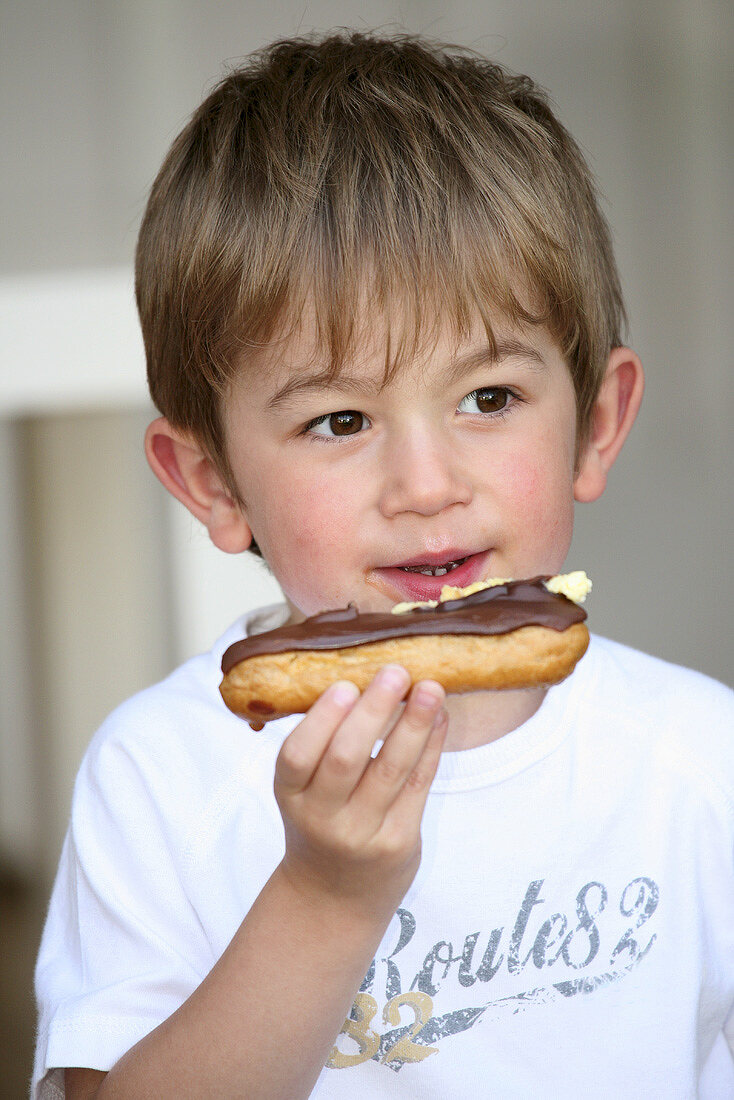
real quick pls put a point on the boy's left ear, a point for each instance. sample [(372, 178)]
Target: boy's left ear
[(613, 415)]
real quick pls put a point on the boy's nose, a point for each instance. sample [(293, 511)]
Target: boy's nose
[(420, 474)]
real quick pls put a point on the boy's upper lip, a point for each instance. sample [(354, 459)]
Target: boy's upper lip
[(432, 559)]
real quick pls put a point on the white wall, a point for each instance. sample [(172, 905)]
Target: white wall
[(93, 94)]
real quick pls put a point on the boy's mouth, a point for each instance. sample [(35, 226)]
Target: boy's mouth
[(416, 580), (433, 571)]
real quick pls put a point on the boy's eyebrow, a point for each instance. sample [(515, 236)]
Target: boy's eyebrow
[(464, 364)]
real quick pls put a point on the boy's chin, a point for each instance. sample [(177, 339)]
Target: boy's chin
[(364, 602)]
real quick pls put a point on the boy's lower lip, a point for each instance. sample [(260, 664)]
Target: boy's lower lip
[(417, 587)]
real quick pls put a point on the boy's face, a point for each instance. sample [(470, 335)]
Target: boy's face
[(458, 457)]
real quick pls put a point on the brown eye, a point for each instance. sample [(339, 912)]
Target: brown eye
[(346, 423), (489, 401)]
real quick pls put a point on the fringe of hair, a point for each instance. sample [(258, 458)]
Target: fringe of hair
[(352, 174)]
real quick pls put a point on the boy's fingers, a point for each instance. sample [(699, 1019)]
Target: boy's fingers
[(303, 749), (348, 754), (408, 806), (403, 748)]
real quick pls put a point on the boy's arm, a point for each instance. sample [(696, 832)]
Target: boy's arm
[(265, 1019)]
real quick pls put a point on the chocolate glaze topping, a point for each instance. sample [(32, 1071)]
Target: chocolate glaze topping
[(495, 610)]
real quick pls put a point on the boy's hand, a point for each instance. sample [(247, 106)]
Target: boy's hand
[(352, 827), (352, 822)]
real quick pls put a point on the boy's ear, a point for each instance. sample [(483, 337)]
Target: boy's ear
[(188, 473), (613, 415)]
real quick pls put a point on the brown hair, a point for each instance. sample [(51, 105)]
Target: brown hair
[(353, 169)]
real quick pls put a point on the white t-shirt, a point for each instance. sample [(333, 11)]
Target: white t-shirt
[(570, 931)]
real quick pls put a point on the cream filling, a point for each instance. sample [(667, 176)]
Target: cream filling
[(575, 586)]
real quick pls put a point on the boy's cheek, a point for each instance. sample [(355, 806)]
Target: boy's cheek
[(323, 514), (537, 503), (311, 536), (532, 481)]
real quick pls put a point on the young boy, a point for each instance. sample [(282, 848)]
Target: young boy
[(382, 322)]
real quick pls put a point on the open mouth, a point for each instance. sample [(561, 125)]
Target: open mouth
[(433, 571), (423, 580)]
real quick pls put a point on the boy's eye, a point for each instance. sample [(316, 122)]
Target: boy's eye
[(490, 399), (337, 424)]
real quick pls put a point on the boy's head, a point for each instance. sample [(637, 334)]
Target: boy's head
[(359, 175)]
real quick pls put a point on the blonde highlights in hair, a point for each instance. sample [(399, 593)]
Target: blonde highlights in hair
[(355, 172)]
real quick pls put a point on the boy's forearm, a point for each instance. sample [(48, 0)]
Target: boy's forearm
[(263, 1022)]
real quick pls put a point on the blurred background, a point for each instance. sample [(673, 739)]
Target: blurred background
[(106, 583)]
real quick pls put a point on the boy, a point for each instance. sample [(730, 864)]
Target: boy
[(382, 321)]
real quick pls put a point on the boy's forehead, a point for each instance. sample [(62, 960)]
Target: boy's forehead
[(382, 346)]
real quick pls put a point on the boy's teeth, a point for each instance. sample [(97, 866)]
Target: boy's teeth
[(437, 571)]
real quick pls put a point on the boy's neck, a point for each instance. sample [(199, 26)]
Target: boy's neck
[(484, 716)]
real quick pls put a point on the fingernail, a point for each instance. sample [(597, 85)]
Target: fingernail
[(441, 720), (427, 697), (344, 692), (392, 676)]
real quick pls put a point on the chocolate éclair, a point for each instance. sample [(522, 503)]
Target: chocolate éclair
[(498, 635)]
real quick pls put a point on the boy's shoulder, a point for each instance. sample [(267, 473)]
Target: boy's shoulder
[(652, 684), (681, 716), (183, 700), (173, 706), (176, 741)]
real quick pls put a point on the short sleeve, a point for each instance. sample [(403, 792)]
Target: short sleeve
[(729, 1032), (122, 947)]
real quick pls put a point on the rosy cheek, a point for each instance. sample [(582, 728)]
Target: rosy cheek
[(299, 523), (323, 511), (315, 522), (522, 482), (538, 503)]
